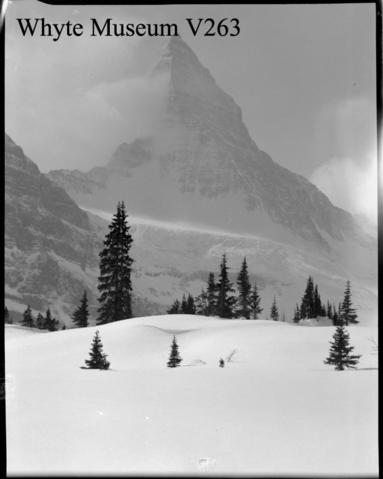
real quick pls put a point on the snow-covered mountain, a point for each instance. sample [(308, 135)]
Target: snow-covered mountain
[(197, 187), (200, 165), (201, 169)]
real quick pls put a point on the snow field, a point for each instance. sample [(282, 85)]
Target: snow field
[(276, 409)]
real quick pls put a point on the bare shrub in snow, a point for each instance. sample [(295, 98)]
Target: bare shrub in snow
[(230, 357)]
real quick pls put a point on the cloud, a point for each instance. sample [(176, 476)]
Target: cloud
[(348, 128), (349, 176), (83, 128), (350, 184), (70, 104)]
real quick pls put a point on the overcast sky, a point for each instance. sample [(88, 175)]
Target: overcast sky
[(304, 76)]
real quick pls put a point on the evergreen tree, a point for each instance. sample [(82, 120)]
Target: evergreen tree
[(201, 303), (97, 358), (190, 306), (174, 358), (50, 323), (28, 318), (317, 310), (303, 310), (255, 300), (297, 314), (347, 312), (335, 316), (175, 308), (225, 300), (7, 317), (184, 305), (329, 310), (211, 296), (40, 321), (114, 282), (244, 289), (81, 315), (340, 351), (274, 313), (307, 305)]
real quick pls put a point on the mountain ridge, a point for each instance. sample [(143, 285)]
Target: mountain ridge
[(201, 151)]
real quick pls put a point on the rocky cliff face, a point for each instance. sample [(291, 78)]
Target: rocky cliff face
[(51, 245), (200, 165), (48, 238)]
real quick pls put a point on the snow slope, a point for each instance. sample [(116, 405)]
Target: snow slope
[(275, 409)]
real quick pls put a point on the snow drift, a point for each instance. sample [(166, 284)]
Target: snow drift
[(275, 408)]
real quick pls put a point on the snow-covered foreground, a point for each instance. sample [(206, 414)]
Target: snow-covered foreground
[(276, 408)]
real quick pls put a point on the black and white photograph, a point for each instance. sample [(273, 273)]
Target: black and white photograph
[(191, 239)]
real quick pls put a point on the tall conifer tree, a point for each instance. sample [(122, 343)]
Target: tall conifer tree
[(225, 299), (336, 321), (211, 295), (7, 317), (81, 315), (347, 312), (190, 306), (201, 304), (244, 289), (184, 305), (40, 321), (114, 282), (50, 323), (307, 305), (317, 303), (28, 318), (174, 308), (255, 301)]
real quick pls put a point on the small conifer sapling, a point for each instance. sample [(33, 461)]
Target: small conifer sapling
[(274, 313), (97, 358), (174, 358), (340, 351)]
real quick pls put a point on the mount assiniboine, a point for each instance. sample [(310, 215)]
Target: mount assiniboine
[(196, 187)]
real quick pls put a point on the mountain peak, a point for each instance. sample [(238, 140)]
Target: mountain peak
[(207, 168), (192, 88), (176, 55), (177, 47)]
